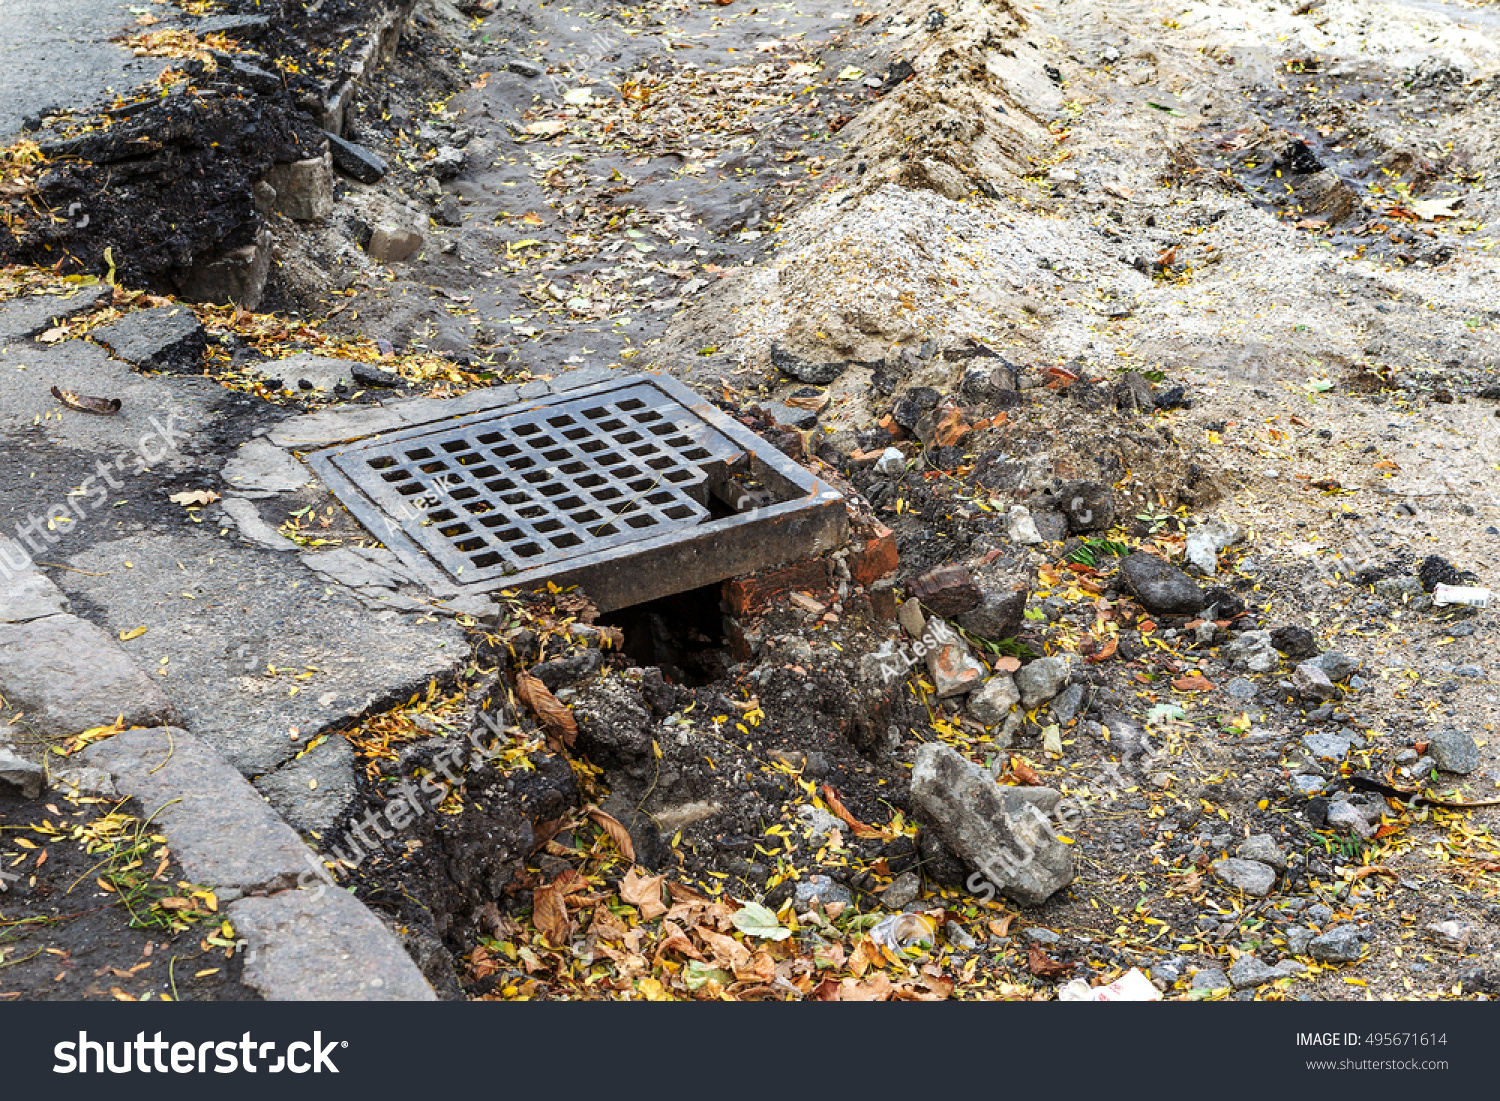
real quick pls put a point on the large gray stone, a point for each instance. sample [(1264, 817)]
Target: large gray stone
[(1252, 651), (1311, 683), (66, 676), (1338, 665), (1000, 613), (1250, 876), (1341, 944), (1454, 751), (1247, 972), (321, 945), (304, 189), (20, 774), (1206, 541), (1038, 681), (954, 670), (1160, 586), (313, 791), (355, 161), (1326, 747), (164, 338), (221, 832), (992, 703), (305, 371), (1262, 848), (1088, 506), (992, 829)]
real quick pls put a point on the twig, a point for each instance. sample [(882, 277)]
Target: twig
[(75, 569)]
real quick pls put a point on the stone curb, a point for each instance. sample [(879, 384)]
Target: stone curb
[(317, 943)]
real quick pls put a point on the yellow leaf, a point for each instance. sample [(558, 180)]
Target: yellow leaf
[(126, 636)]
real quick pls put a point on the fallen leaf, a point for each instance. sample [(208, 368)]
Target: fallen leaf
[(554, 715), (550, 913), (1192, 682), (861, 830), (1044, 966), (547, 128), (194, 497), (644, 893), (755, 920), (103, 407), (126, 636), (618, 833)]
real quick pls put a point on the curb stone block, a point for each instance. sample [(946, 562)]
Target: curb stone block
[(323, 945)]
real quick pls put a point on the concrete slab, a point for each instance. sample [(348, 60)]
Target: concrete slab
[(223, 615), (322, 945)]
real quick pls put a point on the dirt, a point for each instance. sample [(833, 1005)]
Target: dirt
[(1251, 212), (98, 909)]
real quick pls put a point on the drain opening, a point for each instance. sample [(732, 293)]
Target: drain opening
[(682, 635)]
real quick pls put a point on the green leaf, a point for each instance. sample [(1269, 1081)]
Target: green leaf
[(754, 920), (1165, 712), (697, 975)]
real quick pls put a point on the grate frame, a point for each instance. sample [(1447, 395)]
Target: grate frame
[(607, 486)]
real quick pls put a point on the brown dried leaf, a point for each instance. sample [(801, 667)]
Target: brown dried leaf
[(861, 830), (618, 833), (1044, 966), (550, 913), (103, 407), (555, 716), (644, 893)]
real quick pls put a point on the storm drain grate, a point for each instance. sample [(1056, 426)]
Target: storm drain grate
[(570, 487)]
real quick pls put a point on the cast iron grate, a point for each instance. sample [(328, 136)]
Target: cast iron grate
[(577, 480)]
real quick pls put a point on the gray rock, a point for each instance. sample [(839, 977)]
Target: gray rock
[(1160, 586), (68, 676), (1249, 876), (891, 464), (1451, 934), (1037, 934), (222, 832), (1326, 747), (1291, 968), (1339, 666), (84, 781), (1000, 613), (910, 616), (313, 791), (305, 371), (447, 162), (1341, 944), (323, 945), (1020, 527), (902, 892), (1298, 937), (814, 374), (1422, 766), (1398, 588), (1344, 815), (1210, 978), (1040, 680), (1050, 524), (355, 161), (1088, 506), (1065, 704), (1262, 848), (992, 703), (818, 821), (260, 467), (165, 338), (819, 890), (1319, 914), (390, 244), (529, 69), (1241, 689), (1248, 972), (304, 189), (1311, 683), (990, 828), (954, 670), (1308, 786), (1206, 541), (958, 936), (1252, 650), (20, 774), (1454, 751)]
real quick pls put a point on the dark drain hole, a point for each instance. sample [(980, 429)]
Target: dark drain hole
[(682, 634)]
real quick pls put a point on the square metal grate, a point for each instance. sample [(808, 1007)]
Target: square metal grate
[(571, 487)]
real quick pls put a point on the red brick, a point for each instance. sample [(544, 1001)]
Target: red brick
[(755, 592), (876, 559)]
